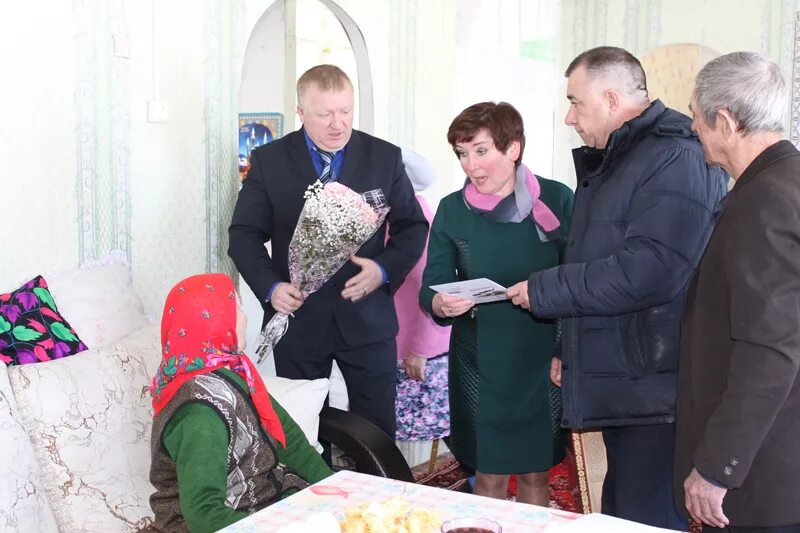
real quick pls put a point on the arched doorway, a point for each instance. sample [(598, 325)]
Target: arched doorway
[(292, 36)]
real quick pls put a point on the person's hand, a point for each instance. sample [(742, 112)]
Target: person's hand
[(704, 500), (555, 371), (414, 366), (518, 294), (449, 306), (363, 283), (286, 298)]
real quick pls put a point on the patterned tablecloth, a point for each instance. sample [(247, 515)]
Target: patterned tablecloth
[(347, 489)]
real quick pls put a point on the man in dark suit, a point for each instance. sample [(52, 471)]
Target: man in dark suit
[(351, 319), (738, 419)]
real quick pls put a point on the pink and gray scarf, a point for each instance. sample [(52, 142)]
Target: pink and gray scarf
[(517, 206)]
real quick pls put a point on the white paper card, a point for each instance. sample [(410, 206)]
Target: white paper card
[(479, 290)]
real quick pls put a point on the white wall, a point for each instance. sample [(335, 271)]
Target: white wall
[(97, 175), (493, 67), (37, 143), (168, 160)]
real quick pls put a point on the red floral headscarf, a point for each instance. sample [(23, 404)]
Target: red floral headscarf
[(198, 336)]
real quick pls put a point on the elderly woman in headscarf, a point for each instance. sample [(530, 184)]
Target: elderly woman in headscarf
[(422, 408), (503, 224), (222, 447)]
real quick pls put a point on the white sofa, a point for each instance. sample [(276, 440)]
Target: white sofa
[(82, 441), (75, 432)]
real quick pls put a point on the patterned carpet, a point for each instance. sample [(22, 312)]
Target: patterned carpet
[(563, 481)]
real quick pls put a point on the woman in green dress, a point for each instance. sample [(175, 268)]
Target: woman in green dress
[(504, 224)]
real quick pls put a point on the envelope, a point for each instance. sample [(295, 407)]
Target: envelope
[(481, 290)]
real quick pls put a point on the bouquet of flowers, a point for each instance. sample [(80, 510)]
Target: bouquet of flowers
[(334, 223)]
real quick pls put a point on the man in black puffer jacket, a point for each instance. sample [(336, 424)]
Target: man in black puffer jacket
[(644, 210)]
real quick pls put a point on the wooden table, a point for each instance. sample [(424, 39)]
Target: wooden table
[(347, 489)]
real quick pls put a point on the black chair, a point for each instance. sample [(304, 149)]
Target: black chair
[(372, 450)]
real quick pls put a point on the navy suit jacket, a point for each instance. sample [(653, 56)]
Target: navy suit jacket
[(268, 208)]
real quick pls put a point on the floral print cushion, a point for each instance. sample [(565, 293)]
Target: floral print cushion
[(31, 329)]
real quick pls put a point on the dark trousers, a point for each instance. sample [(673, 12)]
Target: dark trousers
[(754, 529), (638, 484), (369, 371)]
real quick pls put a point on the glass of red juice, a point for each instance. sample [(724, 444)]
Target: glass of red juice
[(471, 525)]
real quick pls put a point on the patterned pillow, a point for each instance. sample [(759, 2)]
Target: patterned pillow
[(31, 330)]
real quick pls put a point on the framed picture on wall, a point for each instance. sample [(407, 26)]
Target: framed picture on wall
[(256, 129)]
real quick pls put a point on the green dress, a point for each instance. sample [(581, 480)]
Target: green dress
[(501, 419)]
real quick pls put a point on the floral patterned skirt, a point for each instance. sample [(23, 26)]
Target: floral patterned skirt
[(423, 409)]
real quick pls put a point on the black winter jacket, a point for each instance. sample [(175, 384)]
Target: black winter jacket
[(643, 214)]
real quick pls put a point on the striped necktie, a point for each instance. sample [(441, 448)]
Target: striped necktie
[(327, 173)]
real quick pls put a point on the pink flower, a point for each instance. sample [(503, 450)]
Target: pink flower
[(337, 189), (40, 353), (369, 216), (36, 325)]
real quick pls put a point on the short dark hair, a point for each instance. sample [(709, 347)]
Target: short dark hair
[(502, 121), (599, 60)]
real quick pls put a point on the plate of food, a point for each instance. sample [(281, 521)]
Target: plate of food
[(394, 515)]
